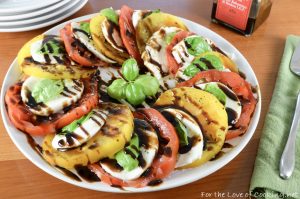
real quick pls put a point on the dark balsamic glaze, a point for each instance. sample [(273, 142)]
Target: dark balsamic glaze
[(147, 172), (243, 75), (83, 32), (207, 63), (155, 182), (227, 145), (218, 155), (129, 152), (35, 146), (117, 186), (232, 115), (139, 127), (141, 160), (32, 102), (215, 48), (85, 173), (112, 29), (254, 89), (112, 164), (68, 173), (191, 143), (228, 92)]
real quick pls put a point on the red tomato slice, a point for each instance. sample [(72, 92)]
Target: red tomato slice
[(78, 51), (239, 86), (26, 121), (163, 164), (172, 63), (128, 33)]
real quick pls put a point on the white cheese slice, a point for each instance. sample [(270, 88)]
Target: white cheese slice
[(112, 35), (194, 132), (137, 15), (82, 133), (154, 56)]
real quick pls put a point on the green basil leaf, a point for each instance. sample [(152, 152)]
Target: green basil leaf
[(117, 89), (72, 126), (125, 160), (214, 60), (197, 45), (85, 26), (191, 70), (216, 91), (169, 37), (149, 84), (47, 89), (134, 94), (130, 69), (151, 12), (111, 15), (182, 133), (55, 48)]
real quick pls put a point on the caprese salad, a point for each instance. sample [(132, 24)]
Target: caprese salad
[(130, 95)]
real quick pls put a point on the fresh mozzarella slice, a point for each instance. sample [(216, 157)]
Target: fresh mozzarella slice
[(72, 92), (233, 105), (108, 74), (181, 54), (136, 17), (88, 42), (154, 56), (38, 56), (111, 33), (82, 133), (186, 157), (147, 152)]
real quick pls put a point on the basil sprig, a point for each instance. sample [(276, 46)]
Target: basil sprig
[(134, 87), (130, 69), (110, 14), (182, 133), (197, 45), (129, 161), (205, 61)]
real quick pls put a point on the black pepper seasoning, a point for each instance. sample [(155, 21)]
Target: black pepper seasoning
[(243, 16)]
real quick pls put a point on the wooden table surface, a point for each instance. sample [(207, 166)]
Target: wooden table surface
[(22, 179)]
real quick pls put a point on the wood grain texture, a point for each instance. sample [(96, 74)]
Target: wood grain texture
[(21, 179)]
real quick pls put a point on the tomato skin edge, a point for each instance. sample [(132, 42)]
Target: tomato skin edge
[(128, 34)]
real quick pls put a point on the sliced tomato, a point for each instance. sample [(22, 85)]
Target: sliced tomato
[(163, 164), (128, 33), (77, 51), (26, 121), (241, 87), (172, 63)]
